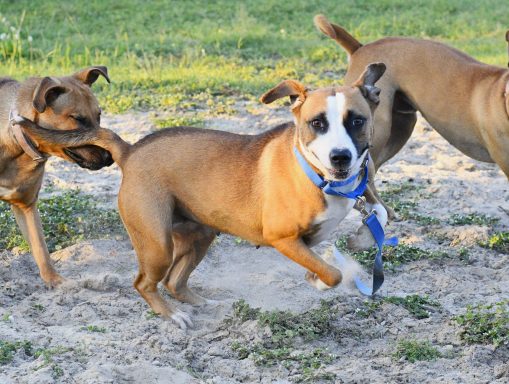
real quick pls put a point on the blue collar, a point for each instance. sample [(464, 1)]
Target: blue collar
[(331, 187)]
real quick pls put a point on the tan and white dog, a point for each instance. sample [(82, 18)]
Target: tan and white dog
[(466, 101), (182, 185)]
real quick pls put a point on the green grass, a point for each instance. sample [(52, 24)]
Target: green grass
[(177, 121), (419, 307), (94, 329), (66, 219), (393, 256), (414, 350), (288, 329), (485, 324), (472, 219), (498, 241), (156, 50), (8, 349)]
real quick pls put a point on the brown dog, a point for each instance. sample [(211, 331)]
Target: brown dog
[(466, 101), (181, 185), (59, 104)]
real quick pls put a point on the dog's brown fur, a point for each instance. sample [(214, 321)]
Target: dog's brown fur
[(52, 103), (182, 185), (466, 101)]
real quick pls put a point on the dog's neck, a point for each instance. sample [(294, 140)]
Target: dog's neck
[(28, 146)]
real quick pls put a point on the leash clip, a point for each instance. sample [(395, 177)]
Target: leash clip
[(360, 205)]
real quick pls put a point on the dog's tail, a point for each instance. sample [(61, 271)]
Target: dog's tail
[(342, 37), (102, 137)]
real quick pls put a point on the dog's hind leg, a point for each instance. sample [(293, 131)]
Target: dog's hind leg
[(154, 247), (191, 241)]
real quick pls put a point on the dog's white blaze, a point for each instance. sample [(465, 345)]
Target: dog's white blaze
[(336, 136)]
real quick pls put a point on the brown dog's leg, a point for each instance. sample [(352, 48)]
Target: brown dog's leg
[(29, 222), (296, 250), (191, 241)]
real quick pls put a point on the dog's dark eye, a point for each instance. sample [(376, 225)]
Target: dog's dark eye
[(319, 125), (79, 119), (357, 123)]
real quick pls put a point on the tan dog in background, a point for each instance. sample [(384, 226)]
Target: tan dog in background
[(182, 185), (466, 101), (59, 104)]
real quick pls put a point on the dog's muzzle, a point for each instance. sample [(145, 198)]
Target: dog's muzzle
[(89, 157)]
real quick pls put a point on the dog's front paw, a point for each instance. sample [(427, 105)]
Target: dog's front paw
[(361, 240), (52, 280), (182, 319), (313, 279)]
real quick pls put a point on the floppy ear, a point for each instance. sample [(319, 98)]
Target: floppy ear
[(292, 88), (366, 82), (46, 92), (89, 75)]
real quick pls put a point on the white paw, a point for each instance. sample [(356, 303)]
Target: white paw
[(316, 282), (182, 319)]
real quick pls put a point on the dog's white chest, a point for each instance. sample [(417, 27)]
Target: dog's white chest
[(328, 221)]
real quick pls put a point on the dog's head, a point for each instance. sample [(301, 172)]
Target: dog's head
[(333, 125), (63, 104)]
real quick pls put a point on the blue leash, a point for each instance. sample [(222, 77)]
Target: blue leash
[(370, 219)]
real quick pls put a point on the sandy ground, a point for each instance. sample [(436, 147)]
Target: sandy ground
[(138, 348)]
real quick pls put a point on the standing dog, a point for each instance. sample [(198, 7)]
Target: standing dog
[(181, 185), (466, 101), (59, 104)]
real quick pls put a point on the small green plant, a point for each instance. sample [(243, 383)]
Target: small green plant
[(418, 306), (413, 350), (7, 350), (287, 327), (396, 256), (94, 328), (499, 242), (38, 307), (485, 324), (151, 315), (472, 219), (6, 316), (48, 355)]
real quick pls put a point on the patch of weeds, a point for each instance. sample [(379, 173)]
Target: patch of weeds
[(418, 306), (485, 324), (472, 219), (94, 328), (6, 317), (66, 219), (48, 355), (369, 307), (414, 350), (396, 256), (151, 315), (178, 121), (402, 198), (8, 349), (38, 307), (286, 328), (499, 242)]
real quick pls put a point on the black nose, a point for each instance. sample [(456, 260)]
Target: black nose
[(340, 157)]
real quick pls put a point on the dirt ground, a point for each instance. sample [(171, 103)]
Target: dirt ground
[(135, 347)]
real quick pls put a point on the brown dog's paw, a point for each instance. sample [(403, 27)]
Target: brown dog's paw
[(313, 279), (53, 280), (361, 240), (182, 319)]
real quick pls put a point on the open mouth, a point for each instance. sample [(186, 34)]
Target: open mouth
[(89, 156), (339, 174)]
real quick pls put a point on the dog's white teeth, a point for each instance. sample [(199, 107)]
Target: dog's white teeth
[(182, 319), (18, 118)]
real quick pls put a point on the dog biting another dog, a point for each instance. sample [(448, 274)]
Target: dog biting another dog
[(182, 185), (465, 101), (57, 103)]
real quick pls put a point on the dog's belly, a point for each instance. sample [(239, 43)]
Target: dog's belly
[(327, 222)]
